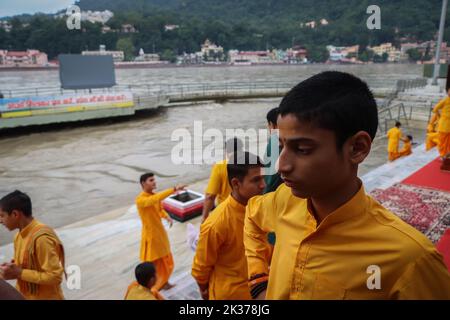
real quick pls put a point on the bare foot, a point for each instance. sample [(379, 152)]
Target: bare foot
[(168, 286)]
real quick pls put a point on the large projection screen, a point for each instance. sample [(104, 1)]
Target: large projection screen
[(86, 72)]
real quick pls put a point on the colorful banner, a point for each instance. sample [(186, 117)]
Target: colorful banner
[(30, 106)]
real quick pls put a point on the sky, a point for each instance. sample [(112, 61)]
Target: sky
[(14, 7)]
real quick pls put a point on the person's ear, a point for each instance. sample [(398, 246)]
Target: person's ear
[(15, 214), (235, 183), (359, 147)]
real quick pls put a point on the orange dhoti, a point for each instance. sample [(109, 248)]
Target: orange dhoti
[(405, 153), (431, 140), (443, 143), (164, 268)]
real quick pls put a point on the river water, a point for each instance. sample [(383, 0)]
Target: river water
[(81, 171)]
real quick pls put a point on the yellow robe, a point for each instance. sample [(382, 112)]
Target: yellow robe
[(137, 292), (154, 242), (155, 246), (406, 150), (442, 110), (164, 267), (393, 135), (220, 257), (339, 257), (218, 182), (431, 140), (40, 253)]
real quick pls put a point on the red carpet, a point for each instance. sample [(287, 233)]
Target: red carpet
[(430, 176), (426, 209), (443, 247)]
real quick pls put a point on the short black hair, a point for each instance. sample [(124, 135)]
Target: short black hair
[(240, 163), (145, 176), (233, 145), (410, 137), (144, 272), (17, 200), (272, 116), (398, 124), (335, 101)]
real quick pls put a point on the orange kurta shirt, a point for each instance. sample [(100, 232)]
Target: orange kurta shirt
[(338, 257), (393, 135), (155, 242), (442, 109), (46, 276), (220, 257)]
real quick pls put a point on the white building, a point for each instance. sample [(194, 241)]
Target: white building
[(311, 24), (343, 54), (117, 55), (106, 29), (190, 58), (5, 25), (96, 16), (211, 52), (128, 28), (170, 27), (147, 57)]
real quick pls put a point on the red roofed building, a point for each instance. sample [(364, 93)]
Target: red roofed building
[(22, 58)]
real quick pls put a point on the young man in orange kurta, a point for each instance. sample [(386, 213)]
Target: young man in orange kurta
[(155, 246), (38, 264), (220, 265), (333, 240)]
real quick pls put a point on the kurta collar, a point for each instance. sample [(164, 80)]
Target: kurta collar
[(26, 231), (355, 206), (235, 205)]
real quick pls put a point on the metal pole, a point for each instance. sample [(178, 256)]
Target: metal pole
[(438, 46)]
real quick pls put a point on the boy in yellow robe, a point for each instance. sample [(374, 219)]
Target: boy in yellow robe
[(394, 135), (141, 289), (218, 185), (155, 246), (407, 146), (220, 265), (333, 240), (442, 112), (38, 264)]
